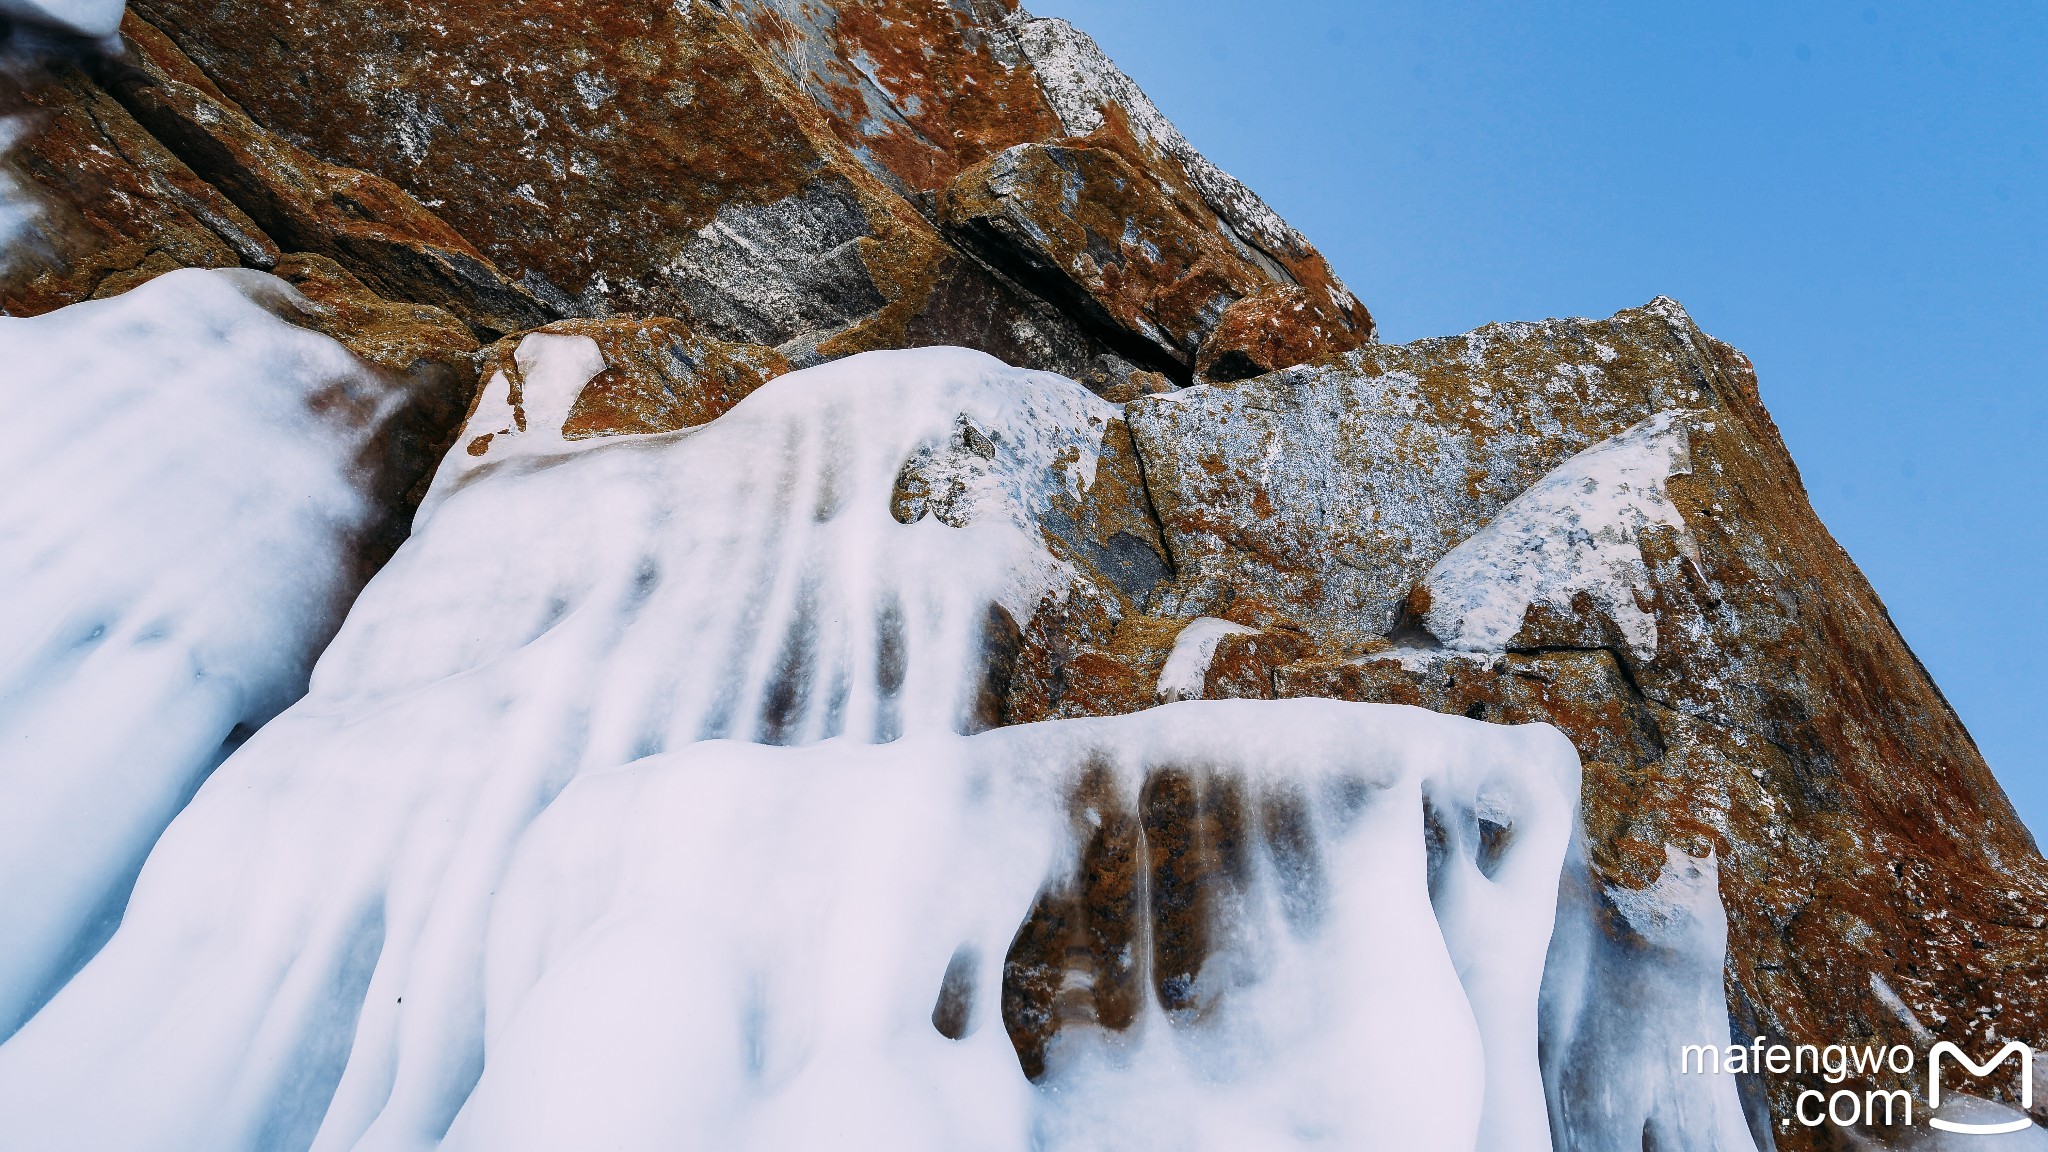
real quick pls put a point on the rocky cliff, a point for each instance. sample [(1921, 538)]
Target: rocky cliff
[(564, 223)]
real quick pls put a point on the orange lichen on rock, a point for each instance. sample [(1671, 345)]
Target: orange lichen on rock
[(1278, 328), (369, 225)]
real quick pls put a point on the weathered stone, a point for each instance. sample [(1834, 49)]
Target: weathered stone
[(1327, 490), (659, 375), (1276, 329), (383, 236), (1088, 91), (1114, 232), (115, 208), (917, 91), (1769, 713), (764, 168)]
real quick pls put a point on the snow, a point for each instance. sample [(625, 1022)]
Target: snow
[(637, 802), (1619, 1008), (94, 19), (739, 946), (839, 881), (1578, 530), (177, 525), (1187, 667)]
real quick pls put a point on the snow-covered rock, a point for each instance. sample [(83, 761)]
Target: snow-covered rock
[(489, 872), (1575, 533)]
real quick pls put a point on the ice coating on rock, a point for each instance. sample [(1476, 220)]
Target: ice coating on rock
[(837, 882), (1187, 666), (18, 208), (178, 516), (737, 946), (523, 869), (1577, 531), (1619, 1006)]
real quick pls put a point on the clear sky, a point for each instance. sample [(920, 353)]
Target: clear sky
[(1854, 193)]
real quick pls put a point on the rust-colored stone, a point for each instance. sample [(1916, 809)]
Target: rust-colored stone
[(1115, 232), (917, 89), (1278, 328), (381, 235), (1074, 960), (115, 207), (1198, 848)]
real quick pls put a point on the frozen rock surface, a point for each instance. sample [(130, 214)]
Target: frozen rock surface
[(468, 863), (611, 269), (1576, 532)]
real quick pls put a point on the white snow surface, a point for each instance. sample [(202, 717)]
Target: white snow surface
[(177, 521), (739, 947), (94, 19), (1617, 1015), (1186, 670), (1577, 530), (526, 868)]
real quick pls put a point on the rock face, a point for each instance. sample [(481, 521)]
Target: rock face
[(570, 221), (1595, 524)]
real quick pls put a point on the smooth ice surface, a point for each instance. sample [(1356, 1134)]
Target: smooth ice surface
[(739, 948), (1577, 530), (1634, 976), (177, 525)]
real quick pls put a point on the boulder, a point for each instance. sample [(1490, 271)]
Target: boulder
[(1116, 232), (1277, 328)]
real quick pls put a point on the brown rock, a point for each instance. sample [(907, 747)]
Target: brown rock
[(764, 169), (383, 236), (115, 207), (1276, 329), (613, 159), (1114, 231), (918, 91)]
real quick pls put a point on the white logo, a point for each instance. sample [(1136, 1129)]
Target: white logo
[(2026, 1085)]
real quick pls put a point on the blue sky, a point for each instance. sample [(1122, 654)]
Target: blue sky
[(1854, 193)]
